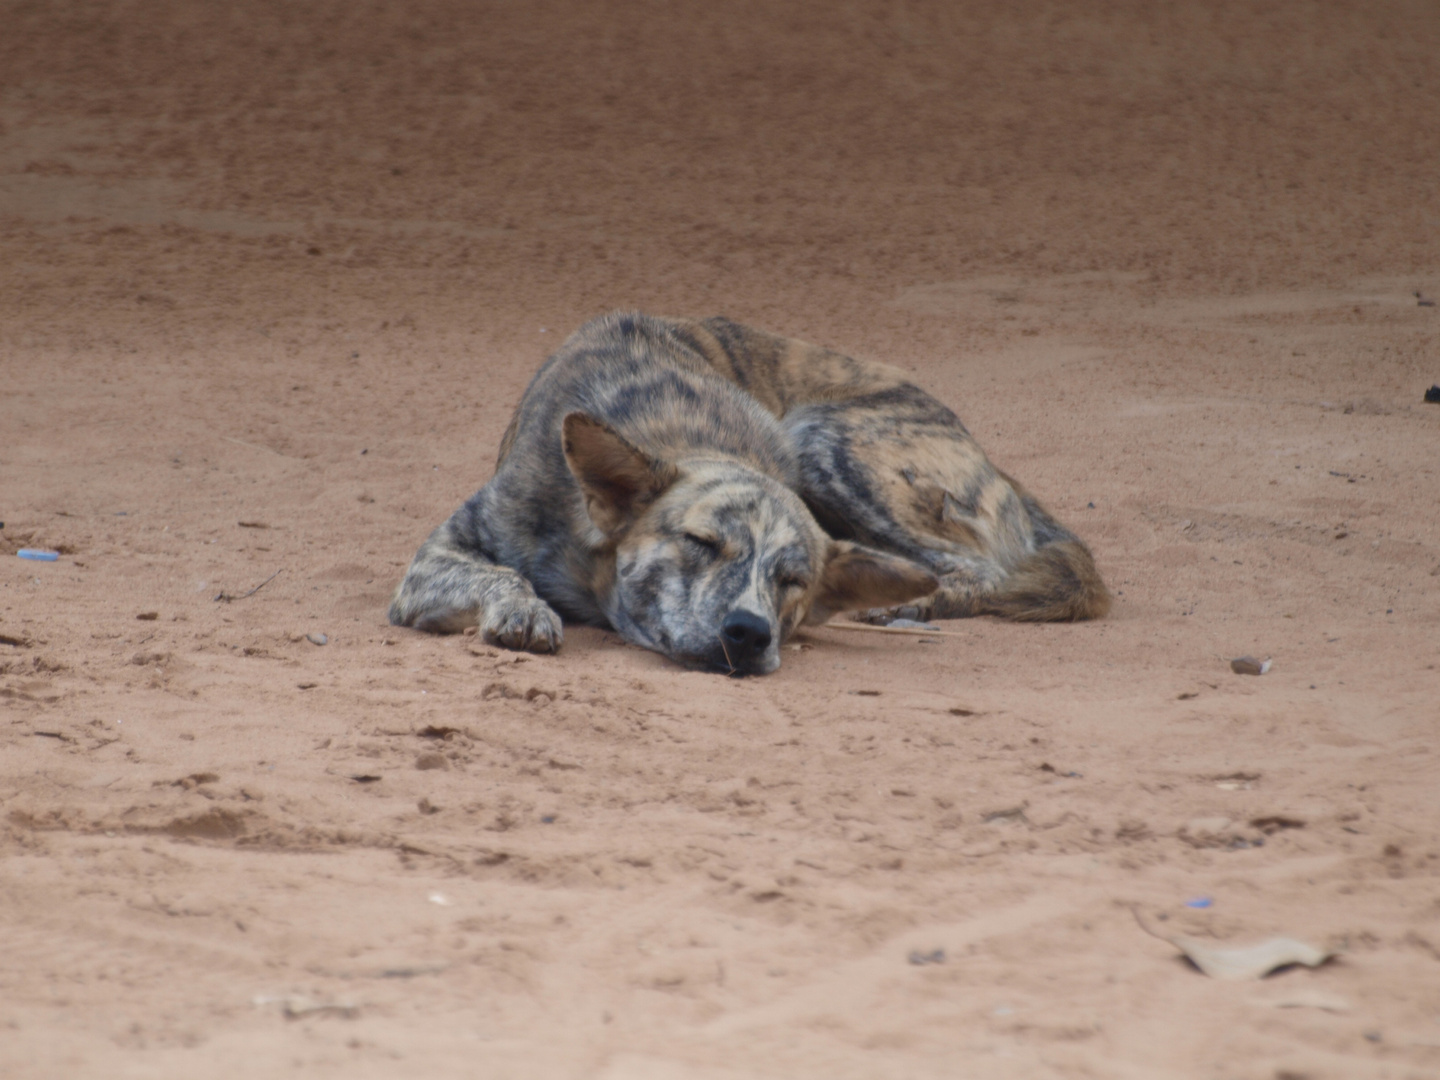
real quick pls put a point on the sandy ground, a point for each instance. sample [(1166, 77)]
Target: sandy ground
[(272, 278)]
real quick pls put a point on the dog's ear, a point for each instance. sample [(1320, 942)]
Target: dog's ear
[(617, 480), (858, 577)]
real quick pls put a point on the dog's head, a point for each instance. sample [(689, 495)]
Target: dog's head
[(716, 563)]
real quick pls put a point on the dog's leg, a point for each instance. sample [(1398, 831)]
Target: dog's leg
[(451, 585)]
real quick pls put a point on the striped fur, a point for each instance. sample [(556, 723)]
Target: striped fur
[(704, 488)]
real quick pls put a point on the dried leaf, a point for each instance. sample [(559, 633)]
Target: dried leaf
[(1248, 665), (1245, 962)]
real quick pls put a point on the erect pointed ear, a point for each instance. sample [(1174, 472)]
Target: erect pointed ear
[(859, 577), (617, 480)]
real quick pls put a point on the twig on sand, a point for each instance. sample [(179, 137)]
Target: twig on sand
[(227, 597), (254, 446), (867, 628)]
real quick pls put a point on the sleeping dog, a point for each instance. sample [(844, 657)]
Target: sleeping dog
[(704, 488)]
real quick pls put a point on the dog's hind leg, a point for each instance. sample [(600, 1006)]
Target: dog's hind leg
[(450, 586), (897, 471), (883, 463)]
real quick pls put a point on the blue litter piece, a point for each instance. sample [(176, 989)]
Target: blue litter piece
[(1199, 902), (38, 555)]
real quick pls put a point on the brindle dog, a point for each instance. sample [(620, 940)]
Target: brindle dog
[(704, 488)]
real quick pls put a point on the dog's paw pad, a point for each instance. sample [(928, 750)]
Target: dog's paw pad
[(531, 625)]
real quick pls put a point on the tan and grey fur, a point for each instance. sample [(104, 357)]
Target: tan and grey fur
[(704, 488)]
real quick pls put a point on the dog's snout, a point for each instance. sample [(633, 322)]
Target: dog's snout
[(746, 635)]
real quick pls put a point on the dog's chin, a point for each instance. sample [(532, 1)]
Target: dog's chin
[(718, 663)]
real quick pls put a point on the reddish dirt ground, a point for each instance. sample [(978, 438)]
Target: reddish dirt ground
[(272, 278)]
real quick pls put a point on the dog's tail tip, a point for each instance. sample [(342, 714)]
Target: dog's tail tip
[(1057, 583)]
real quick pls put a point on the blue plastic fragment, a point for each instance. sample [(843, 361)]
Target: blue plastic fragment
[(1199, 902), (38, 555)]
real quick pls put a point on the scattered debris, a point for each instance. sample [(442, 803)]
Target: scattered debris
[(1433, 394), (1199, 902), (307, 685), (1237, 781), (1009, 816), (36, 555), (317, 639), (960, 710), (431, 760), (1246, 962), (411, 972), (1273, 823), (431, 731), (252, 525), (1248, 665), (1188, 695), (1312, 999), (866, 693), (1045, 766), (1421, 300), (441, 899), (365, 778), (919, 957), (296, 1007), (147, 616), (53, 735), (227, 597), (1217, 832)]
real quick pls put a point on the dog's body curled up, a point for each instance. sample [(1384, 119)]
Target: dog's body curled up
[(704, 488)]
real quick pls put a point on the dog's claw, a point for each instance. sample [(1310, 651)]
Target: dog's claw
[(531, 626)]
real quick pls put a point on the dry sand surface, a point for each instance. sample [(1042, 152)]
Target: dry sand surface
[(273, 277)]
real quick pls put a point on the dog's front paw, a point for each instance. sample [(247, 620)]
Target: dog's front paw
[(884, 616), (528, 624)]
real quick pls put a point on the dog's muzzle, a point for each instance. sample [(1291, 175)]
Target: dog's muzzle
[(744, 640)]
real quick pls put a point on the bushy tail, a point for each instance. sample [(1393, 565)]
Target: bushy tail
[(1058, 583)]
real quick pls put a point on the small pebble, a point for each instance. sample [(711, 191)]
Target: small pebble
[(919, 957), (317, 639)]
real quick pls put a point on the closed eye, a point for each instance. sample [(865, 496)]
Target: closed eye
[(705, 542), (790, 583)]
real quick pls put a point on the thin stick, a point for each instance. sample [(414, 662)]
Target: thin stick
[(253, 446), (227, 597), (867, 628)]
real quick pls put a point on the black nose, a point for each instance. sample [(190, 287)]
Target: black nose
[(746, 635)]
